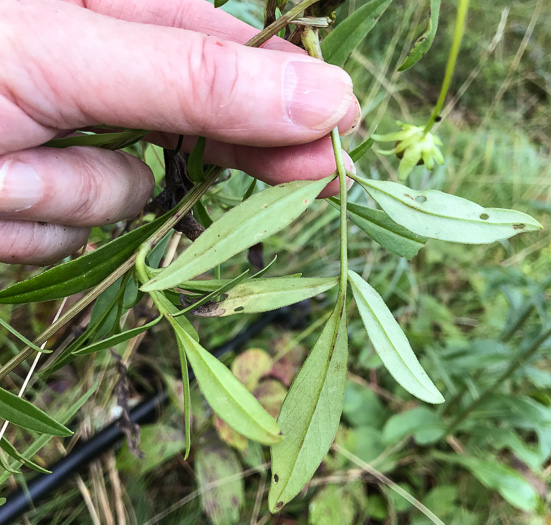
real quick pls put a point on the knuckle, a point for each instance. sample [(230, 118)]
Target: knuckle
[(213, 76)]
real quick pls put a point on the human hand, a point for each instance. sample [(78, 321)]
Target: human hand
[(66, 65)]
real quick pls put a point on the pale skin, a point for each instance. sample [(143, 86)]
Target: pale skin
[(170, 66)]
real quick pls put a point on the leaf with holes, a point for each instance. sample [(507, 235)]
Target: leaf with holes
[(438, 215), (311, 412), (228, 398), (423, 43), (391, 343), (263, 295), (249, 223)]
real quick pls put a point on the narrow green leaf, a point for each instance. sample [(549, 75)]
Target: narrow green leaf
[(213, 285), (24, 414), (423, 43), (111, 141), (93, 331), (438, 215), (357, 153), (202, 215), (21, 337), (512, 485), (9, 449), (186, 392), (195, 162), (311, 412), (391, 343), (220, 3), (116, 339), (263, 295), (338, 45), (82, 273), (249, 223), (198, 306), (7, 469), (42, 440), (250, 189), (181, 320), (228, 398), (382, 229)]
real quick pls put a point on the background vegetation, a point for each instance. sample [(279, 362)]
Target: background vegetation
[(478, 318)]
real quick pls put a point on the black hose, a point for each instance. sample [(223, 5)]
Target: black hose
[(41, 485)]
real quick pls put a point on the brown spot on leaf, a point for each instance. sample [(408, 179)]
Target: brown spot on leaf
[(519, 226)]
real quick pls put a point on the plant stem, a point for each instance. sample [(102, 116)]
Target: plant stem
[(310, 40), (279, 24), (341, 168), (184, 207), (462, 9), (522, 356)]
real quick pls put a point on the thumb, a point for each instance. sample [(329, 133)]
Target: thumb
[(81, 68)]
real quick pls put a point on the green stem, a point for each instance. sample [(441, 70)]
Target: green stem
[(462, 9), (511, 369), (341, 169), (310, 40)]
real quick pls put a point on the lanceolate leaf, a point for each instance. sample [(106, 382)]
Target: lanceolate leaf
[(42, 440), (213, 285), (423, 43), (337, 47), (357, 153), (82, 273), (24, 414), (511, 484), (438, 215), (9, 449), (195, 162), (263, 295), (382, 229), (116, 339), (21, 337), (260, 216), (311, 412), (391, 343), (229, 399)]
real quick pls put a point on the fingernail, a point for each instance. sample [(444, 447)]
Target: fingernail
[(20, 186), (317, 95), (353, 118), (349, 163)]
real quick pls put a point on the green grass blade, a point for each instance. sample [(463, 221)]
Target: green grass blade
[(24, 414), (116, 339), (9, 449)]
